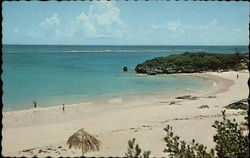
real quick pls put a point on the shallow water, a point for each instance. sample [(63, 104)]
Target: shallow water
[(53, 75)]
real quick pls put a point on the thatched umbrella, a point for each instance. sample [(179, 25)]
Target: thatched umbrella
[(84, 141)]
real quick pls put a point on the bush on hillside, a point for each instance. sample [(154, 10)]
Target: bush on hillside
[(193, 62)]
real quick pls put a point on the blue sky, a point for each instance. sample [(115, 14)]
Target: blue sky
[(126, 23)]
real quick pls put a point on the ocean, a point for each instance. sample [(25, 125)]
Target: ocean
[(62, 74)]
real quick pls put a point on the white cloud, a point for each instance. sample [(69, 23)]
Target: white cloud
[(170, 26), (82, 16), (190, 33), (154, 26), (213, 22), (33, 33), (48, 27), (174, 26), (105, 13), (54, 20), (101, 20)]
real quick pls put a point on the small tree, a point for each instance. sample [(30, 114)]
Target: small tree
[(180, 149), (134, 151), (229, 139)]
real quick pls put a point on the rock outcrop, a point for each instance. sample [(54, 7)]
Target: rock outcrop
[(242, 104), (203, 106), (125, 69), (184, 97), (193, 62)]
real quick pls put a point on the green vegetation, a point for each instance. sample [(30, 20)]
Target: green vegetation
[(179, 148), (135, 151), (229, 138), (193, 62)]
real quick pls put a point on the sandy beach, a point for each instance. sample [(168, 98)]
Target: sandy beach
[(44, 131)]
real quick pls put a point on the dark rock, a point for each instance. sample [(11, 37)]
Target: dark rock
[(151, 73), (203, 106), (28, 150), (184, 97), (125, 69), (194, 98), (242, 104), (211, 96), (172, 102)]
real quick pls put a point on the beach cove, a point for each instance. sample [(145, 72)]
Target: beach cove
[(125, 79), (44, 131)]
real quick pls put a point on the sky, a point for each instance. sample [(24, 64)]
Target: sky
[(125, 23)]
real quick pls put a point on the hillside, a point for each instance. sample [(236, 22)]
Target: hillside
[(194, 62)]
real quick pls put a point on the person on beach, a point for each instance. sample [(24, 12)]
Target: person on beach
[(34, 102), (63, 108), (237, 76)]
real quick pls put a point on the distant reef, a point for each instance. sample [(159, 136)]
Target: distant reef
[(194, 62)]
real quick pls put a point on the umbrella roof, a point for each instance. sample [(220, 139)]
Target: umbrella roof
[(84, 141)]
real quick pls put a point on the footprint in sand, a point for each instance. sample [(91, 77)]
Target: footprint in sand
[(148, 126), (203, 106), (116, 130), (28, 150)]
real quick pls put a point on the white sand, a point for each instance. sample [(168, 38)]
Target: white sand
[(44, 130)]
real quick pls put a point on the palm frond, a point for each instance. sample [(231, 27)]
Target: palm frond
[(84, 141)]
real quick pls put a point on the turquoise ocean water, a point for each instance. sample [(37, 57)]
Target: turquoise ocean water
[(54, 75)]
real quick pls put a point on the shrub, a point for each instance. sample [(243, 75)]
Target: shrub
[(134, 151), (180, 149), (198, 61), (229, 139)]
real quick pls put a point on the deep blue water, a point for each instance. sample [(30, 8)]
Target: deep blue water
[(53, 75)]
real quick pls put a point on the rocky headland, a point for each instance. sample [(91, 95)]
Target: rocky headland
[(194, 62)]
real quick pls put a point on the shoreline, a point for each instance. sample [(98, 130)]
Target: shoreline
[(115, 122), (200, 75), (116, 100)]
